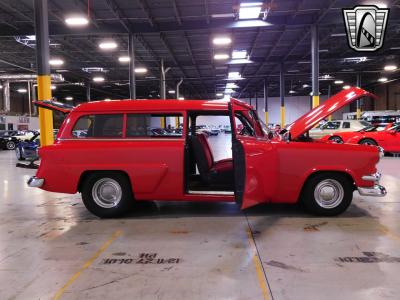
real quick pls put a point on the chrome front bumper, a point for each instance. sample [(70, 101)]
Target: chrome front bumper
[(35, 182), (377, 190)]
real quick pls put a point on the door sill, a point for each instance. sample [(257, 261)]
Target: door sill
[(219, 193)]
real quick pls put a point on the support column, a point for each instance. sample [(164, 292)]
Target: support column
[(265, 102), (315, 65), (177, 93), (43, 70), (256, 101), (358, 103), (34, 98), (88, 94), (29, 99), (6, 96), (132, 77), (329, 95), (282, 94)]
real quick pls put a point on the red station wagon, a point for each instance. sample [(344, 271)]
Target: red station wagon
[(107, 151)]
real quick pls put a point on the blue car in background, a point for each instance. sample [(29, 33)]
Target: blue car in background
[(28, 149)]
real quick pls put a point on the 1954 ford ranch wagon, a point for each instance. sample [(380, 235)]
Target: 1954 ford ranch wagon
[(110, 152)]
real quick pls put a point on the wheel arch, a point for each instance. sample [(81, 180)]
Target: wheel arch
[(86, 174), (367, 138), (319, 172)]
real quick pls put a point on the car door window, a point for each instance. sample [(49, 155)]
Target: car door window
[(346, 125), (154, 125), (331, 125)]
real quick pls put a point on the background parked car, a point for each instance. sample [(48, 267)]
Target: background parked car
[(336, 126), (28, 149), (8, 143)]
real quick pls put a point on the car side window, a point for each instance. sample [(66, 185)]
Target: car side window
[(346, 125), (331, 125), (154, 125), (99, 126)]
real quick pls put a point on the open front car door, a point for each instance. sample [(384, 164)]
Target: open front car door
[(249, 147)]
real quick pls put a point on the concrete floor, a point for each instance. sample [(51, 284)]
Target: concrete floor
[(52, 248)]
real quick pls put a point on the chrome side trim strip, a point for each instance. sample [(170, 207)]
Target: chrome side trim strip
[(219, 193)]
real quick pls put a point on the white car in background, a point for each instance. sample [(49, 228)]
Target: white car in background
[(338, 125)]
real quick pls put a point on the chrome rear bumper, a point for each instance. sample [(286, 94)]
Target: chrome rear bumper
[(35, 182), (376, 191)]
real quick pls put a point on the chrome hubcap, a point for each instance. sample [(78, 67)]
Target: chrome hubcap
[(329, 193), (107, 192), (10, 145)]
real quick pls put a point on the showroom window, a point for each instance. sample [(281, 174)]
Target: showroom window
[(154, 125), (99, 126)]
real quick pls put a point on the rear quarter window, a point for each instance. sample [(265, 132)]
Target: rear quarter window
[(99, 126)]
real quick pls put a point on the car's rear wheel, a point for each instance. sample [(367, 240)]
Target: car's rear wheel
[(336, 139), (107, 194), (369, 142), (18, 154), (10, 145), (327, 194)]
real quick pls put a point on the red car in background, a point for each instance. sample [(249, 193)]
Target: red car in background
[(388, 139)]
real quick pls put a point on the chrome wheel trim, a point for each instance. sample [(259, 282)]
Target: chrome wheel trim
[(329, 193), (10, 145), (107, 192)]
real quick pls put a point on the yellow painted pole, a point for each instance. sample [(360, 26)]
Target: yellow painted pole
[(330, 118), (358, 114), (266, 118), (45, 115), (315, 101), (282, 116), (176, 122), (162, 122)]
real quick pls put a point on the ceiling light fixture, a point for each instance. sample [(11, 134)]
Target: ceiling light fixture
[(338, 82), (140, 70), (77, 21), (390, 68), (250, 10), (234, 75), (239, 54), (346, 87), (221, 56), (69, 98), (220, 41), (305, 85), (382, 79), (219, 94), (53, 87), (56, 62), (181, 98), (22, 91), (124, 59), (171, 92), (108, 45), (98, 79)]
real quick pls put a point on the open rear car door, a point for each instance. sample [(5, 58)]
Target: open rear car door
[(54, 105), (245, 154)]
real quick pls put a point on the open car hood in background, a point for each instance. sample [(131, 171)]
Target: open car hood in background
[(336, 102), (54, 105)]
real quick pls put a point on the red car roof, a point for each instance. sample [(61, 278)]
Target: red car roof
[(156, 105)]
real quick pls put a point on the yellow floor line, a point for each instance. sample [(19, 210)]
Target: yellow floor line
[(87, 264), (389, 233), (259, 270)]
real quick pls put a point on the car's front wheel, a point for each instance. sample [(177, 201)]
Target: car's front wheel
[(10, 145), (369, 142), (328, 194), (336, 139), (107, 194)]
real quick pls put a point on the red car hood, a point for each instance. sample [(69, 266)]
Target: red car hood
[(336, 102)]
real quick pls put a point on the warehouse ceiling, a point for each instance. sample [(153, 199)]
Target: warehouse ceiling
[(181, 33)]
